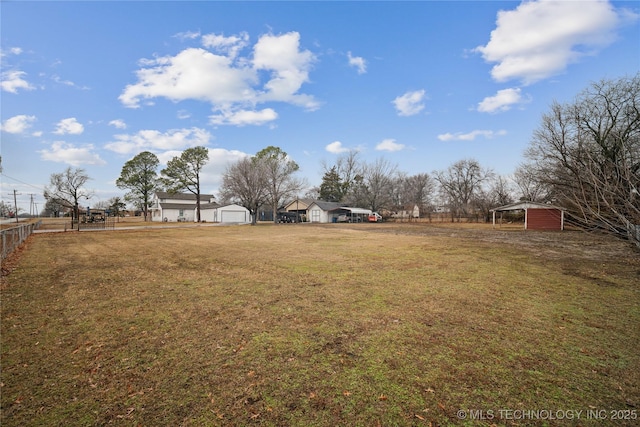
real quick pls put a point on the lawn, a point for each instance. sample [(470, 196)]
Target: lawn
[(321, 325)]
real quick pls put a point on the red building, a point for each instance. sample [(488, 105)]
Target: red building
[(537, 216)]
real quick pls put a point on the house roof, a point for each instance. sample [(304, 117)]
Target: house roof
[(187, 206), (524, 206), (299, 203), (182, 196), (204, 206), (325, 206)]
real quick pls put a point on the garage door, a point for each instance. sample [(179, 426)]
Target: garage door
[(233, 216)]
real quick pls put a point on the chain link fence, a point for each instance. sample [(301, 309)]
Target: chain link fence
[(14, 236)]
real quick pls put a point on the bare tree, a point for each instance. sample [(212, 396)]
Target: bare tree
[(495, 191), (530, 187), (67, 188), (588, 151), (373, 185), (244, 183), (278, 170), (414, 190), (460, 185)]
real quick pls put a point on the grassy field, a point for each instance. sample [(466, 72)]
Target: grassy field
[(309, 325)]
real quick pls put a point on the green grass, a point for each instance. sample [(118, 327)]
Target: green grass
[(305, 325)]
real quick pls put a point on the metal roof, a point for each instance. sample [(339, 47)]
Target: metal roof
[(358, 210), (519, 206), (182, 196)]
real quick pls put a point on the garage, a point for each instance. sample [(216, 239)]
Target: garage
[(234, 216)]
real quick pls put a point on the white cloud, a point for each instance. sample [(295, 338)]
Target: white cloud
[(410, 103), (183, 114), (219, 159), (59, 80), (193, 73), (226, 81), (230, 46), (503, 100), (244, 117), (289, 67), (358, 62), (18, 124), (336, 147), (13, 80), (118, 124), (187, 35), (63, 152), (471, 136), (389, 145), (153, 140), (69, 126), (540, 39), (212, 172), (10, 51)]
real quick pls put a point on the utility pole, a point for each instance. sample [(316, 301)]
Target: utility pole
[(15, 204)]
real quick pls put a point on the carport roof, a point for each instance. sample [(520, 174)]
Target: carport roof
[(352, 210), (519, 206)]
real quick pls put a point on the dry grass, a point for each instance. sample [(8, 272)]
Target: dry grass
[(303, 325)]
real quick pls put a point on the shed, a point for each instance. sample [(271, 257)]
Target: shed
[(537, 216), (318, 211)]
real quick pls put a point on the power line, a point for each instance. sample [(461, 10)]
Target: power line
[(22, 182)]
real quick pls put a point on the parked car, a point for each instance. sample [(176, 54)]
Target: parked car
[(375, 217), (288, 217), (343, 218)]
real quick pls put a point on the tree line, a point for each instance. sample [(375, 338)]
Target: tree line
[(584, 156)]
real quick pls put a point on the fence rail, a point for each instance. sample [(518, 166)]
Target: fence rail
[(13, 237)]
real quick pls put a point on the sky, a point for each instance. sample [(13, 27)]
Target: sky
[(420, 84)]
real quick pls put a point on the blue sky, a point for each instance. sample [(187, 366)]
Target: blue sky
[(422, 84)]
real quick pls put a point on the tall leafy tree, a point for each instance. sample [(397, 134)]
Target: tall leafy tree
[(116, 206), (278, 170), (340, 179), (332, 187), (68, 188), (140, 176), (183, 173)]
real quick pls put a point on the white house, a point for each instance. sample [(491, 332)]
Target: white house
[(172, 207), (213, 212)]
